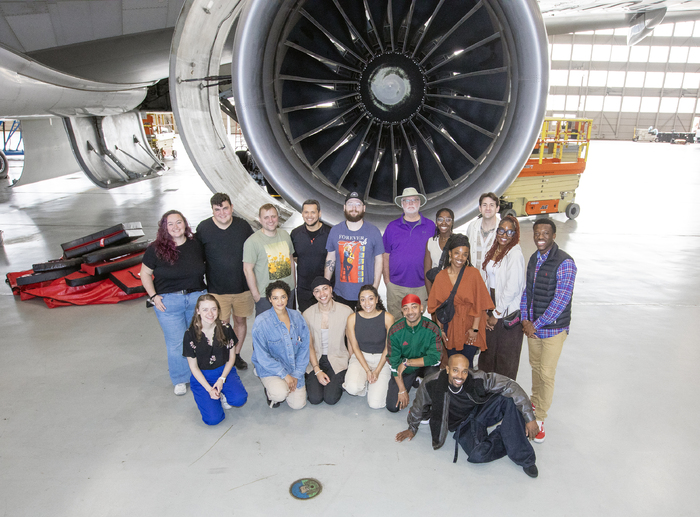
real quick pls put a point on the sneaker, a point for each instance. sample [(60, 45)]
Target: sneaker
[(540, 436), (240, 364), (225, 404), (271, 404), (180, 389), (531, 471), (425, 422)]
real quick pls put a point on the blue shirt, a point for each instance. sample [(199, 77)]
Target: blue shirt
[(278, 352)]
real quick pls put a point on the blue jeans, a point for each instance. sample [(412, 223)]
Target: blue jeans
[(211, 409), (179, 309)]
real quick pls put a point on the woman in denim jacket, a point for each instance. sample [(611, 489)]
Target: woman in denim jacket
[(281, 349)]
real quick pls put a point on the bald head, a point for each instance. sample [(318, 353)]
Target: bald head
[(457, 370)]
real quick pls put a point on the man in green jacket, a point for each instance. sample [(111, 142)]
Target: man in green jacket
[(414, 351)]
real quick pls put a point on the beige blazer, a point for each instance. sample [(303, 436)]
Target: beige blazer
[(338, 354)]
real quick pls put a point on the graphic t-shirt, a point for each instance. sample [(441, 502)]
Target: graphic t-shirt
[(272, 258), (354, 257)]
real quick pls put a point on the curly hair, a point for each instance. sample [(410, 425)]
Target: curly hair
[(166, 249), (373, 290), (452, 215), (516, 238), (196, 325), (278, 284)]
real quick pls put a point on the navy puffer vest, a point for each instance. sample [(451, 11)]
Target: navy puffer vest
[(541, 294)]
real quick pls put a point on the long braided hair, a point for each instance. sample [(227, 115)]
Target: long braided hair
[(516, 238)]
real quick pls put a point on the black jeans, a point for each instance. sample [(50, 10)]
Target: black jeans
[(331, 392), (469, 351), (508, 438), (392, 393), (350, 303), (503, 352)]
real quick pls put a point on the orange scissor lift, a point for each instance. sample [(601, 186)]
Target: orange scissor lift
[(547, 184)]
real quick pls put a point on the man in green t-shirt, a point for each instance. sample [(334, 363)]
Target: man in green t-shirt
[(414, 351), (267, 256)]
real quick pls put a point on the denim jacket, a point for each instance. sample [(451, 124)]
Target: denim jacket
[(277, 352)]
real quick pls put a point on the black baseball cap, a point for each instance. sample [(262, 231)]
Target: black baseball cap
[(354, 195)]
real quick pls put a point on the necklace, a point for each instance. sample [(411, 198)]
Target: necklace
[(455, 392)]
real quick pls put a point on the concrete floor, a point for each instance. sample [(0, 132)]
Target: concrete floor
[(89, 424)]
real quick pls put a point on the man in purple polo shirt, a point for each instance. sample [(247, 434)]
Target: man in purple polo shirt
[(404, 252)]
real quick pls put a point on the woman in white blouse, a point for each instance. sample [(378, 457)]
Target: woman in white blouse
[(505, 278)]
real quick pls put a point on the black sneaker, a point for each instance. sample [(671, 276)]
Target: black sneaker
[(531, 471), (271, 405), (240, 364)]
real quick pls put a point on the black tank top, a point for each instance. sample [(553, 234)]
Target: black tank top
[(370, 333)]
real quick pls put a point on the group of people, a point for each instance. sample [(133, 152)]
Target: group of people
[(480, 298)]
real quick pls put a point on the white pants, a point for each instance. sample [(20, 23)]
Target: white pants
[(356, 380), (278, 390)]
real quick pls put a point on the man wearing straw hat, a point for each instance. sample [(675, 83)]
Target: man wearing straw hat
[(404, 251)]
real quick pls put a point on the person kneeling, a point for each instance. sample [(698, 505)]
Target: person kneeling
[(208, 346), (281, 349), (468, 402), (328, 356)]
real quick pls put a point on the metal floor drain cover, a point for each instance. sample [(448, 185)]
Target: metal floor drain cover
[(305, 488)]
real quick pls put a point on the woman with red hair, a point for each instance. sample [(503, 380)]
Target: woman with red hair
[(176, 262), (505, 277)]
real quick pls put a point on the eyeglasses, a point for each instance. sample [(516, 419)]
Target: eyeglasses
[(444, 219), (509, 233), (410, 201)]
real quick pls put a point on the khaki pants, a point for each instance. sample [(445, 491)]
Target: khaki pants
[(278, 391), (544, 356), (356, 380), (395, 293)]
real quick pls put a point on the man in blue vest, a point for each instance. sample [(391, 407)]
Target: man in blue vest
[(546, 313)]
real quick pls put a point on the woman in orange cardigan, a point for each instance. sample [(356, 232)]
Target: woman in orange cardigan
[(466, 332)]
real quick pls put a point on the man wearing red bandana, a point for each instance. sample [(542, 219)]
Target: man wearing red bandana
[(414, 351)]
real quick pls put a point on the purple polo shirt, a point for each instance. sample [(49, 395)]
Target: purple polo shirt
[(405, 243)]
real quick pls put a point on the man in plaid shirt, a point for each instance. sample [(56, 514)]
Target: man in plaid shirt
[(546, 313)]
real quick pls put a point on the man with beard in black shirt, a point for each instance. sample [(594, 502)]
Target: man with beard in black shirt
[(467, 402), (309, 241)]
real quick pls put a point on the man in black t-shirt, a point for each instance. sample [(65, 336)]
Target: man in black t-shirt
[(222, 237), (309, 241)]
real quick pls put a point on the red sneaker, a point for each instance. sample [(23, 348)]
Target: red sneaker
[(540, 436)]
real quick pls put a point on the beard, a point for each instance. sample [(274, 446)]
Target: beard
[(353, 218)]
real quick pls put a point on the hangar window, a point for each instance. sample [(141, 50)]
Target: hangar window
[(556, 102), (621, 32), (605, 31), (630, 104), (594, 103), (668, 105), (578, 78), (678, 55), (664, 30), (612, 103), (582, 53), (696, 31), (654, 80), (683, 29), (650, 104), (673, 80), (691, 81), (597, 78), (639, 54), (694, 54), (561, 52), (558, 77), (634, 80), (572, 102), (686, 105), (616, 79), (619, 53), (601, 52), (658, 54)]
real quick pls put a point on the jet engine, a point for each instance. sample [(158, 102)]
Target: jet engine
[(371, 96)]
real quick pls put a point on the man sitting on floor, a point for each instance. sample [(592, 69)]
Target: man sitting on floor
[(468, 402)]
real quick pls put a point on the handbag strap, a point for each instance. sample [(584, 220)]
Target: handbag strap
[(459, 278)]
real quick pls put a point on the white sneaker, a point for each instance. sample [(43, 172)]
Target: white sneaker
[(180, 389), (225, 404)]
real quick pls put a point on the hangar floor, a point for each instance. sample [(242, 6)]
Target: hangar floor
[(90, 425)]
